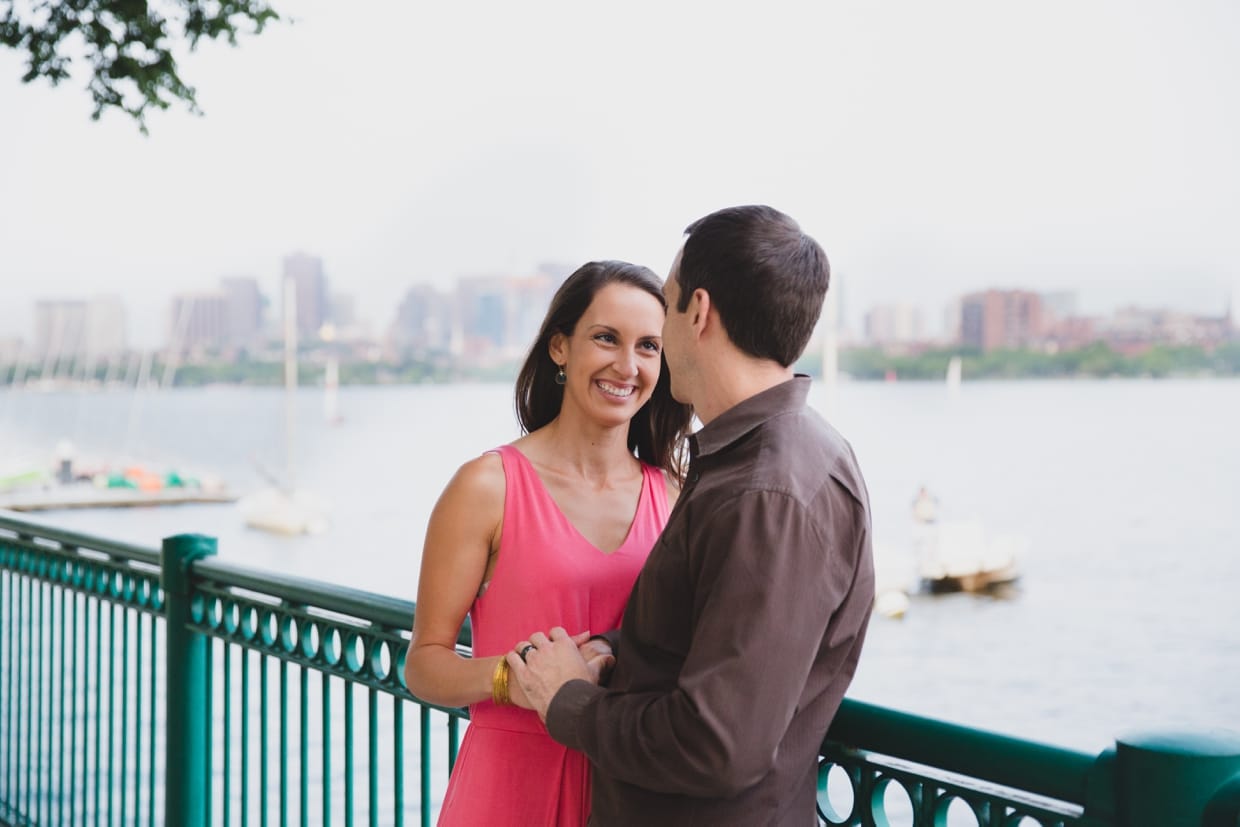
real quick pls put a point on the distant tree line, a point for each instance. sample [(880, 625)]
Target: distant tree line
[(1096, 361), (268, 373)]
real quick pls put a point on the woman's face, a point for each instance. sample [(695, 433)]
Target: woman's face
[(612, 359)]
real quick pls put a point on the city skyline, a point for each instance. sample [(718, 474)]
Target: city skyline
[(487, 318), (933, 151), (933, 316)]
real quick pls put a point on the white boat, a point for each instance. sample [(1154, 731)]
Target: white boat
[(895, 579), (954, 375), (960, 555), (279, 512), (943, 556), (892, 603)]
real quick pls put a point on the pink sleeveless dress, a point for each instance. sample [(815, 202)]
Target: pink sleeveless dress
[(508, 770)]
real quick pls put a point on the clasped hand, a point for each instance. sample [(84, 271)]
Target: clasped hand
[(545, 662)]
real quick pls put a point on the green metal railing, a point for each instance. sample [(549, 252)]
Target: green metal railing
[(80, 717), (170, 687)]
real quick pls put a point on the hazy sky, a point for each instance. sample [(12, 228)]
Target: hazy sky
[(933, 148)]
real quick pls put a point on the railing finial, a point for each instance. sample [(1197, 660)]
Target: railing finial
[(1169, 779)]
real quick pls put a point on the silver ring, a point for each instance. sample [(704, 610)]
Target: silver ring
[(524, 650)]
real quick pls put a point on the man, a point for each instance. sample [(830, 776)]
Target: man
[(745, 625)]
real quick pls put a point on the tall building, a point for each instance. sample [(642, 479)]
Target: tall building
[(71, 328), (1001, 319), (105, 325), (423, 321), (530, 299), (59, 328), (199, 321), (480, 316), (498, 317), (243, 326), (228, 318), (306, 273)]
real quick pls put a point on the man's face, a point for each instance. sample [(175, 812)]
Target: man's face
[(676, 336)]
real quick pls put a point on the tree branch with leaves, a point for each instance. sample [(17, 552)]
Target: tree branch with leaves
[(128, 45)]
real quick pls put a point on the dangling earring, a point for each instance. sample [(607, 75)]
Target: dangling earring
[(560, 377)]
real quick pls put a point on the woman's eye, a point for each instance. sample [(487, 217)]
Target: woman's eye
[(605, 337), (652, 346)]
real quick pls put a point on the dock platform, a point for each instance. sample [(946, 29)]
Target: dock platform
[(89, 497)]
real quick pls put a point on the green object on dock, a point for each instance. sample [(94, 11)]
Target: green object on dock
[(22, 479)]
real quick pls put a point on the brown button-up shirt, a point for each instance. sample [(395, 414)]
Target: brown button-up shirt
[(742, 632)]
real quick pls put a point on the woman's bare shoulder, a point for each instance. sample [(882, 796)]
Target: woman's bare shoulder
[(482, 476), (471, 505)]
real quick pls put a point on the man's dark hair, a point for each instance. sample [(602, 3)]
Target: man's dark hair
[(766, 277), (657, 431)]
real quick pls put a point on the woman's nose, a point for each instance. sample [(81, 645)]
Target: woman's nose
[(626, 362)]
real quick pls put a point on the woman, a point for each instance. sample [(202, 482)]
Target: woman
[(550, 530)]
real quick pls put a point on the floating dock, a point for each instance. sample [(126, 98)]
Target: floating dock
[(89, 497)]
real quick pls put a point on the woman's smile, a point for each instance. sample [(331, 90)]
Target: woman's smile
[(618, 391)]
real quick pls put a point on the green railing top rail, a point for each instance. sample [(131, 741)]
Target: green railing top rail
[(1037, 768), (353, 634), (12, 524), (381, 610)]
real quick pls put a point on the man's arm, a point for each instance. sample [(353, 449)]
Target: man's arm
[(766, 587)]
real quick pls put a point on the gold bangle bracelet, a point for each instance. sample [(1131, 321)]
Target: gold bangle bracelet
[(499, 683)]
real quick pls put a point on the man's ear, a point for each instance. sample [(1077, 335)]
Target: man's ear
[(699, 311)]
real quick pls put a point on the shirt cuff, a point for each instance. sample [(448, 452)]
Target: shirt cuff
[(566, 708), (612, 638)]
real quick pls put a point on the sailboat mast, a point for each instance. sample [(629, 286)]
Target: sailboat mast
[(290, 378)]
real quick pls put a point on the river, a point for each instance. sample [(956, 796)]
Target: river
[(1126, 616)]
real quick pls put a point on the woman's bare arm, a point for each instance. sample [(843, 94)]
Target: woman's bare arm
[(463, 530)]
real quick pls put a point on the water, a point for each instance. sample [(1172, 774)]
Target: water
[(1126, 616)]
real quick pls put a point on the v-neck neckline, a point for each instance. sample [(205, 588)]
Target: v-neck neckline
[(546, 492)]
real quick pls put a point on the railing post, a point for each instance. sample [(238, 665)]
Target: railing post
[(1168, 779), (186, 662)]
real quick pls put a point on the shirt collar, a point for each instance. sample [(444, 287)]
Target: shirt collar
[(742, 418)]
